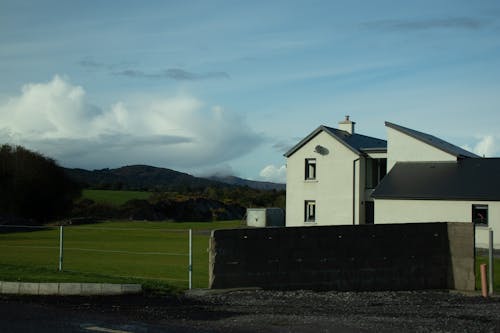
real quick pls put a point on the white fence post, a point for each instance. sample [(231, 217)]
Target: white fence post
[(61, 247), (490, 261), (190, 267)]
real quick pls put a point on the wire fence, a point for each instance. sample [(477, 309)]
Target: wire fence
[(141, 253)]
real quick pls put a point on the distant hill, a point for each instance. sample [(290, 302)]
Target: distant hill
[(250, 183), (144, 177), (140, 177)]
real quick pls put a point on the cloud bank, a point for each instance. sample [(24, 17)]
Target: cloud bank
[(275, 174), (486, 146), (177, 74), (174, 74), (466, 23), (56, 119)]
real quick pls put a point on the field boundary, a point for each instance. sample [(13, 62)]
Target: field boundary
[(68, 289)]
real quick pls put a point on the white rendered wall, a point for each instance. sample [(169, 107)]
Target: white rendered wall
[(333, 188), (256, 217), (407, 211), (404, 148)]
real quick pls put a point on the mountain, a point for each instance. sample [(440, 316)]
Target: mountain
[(232, 180), (144, 177), (140, 177)]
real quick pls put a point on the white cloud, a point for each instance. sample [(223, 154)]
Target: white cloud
[(221, 170), (46, 110), (486, 146), (55, 119), (274, 173)]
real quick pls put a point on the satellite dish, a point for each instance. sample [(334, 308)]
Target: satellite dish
[(321, 150)]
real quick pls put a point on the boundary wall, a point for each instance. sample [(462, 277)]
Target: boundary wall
[(411, 256), (67, 289)]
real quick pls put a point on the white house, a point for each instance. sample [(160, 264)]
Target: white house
[(430, 180), (331, 175)]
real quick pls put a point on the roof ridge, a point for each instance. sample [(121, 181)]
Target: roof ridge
[(350, 134), (353, 142)]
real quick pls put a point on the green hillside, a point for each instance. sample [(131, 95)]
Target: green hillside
[(115, 198)]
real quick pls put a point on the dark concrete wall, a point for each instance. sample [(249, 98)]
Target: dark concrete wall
[(363, 257), (461, 274)]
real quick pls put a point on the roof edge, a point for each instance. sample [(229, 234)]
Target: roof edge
[(374, 150), (303, 142), (408, 132), (308, 138), (386, 197)]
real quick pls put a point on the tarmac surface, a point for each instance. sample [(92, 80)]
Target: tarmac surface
[(253, 311)]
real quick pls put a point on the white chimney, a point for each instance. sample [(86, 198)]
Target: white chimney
[(347, 125)]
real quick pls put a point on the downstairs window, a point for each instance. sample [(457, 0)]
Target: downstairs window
[(310, 211), (480, 214)]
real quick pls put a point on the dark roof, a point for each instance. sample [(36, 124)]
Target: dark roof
[(355, 142), (466, 179), (433, 141)]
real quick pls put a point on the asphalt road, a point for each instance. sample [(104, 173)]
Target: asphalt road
[(19, 316)]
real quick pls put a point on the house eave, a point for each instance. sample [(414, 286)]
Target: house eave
[(374, 150)]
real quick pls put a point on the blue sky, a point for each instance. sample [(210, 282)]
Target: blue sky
[(228, 86)]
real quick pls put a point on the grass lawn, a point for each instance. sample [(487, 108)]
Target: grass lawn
[(152, 253), (115, 198), (496, 272)]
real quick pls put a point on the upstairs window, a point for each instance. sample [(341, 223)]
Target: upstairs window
[(310, 211), (480, 214), (310, 169)]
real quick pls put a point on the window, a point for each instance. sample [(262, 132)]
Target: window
[(310, 211), (480, 214), (310, 168), (376, 168)]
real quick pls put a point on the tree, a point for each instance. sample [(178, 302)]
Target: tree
[(33, 186)]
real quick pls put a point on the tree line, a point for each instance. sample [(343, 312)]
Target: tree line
[(33, 186)]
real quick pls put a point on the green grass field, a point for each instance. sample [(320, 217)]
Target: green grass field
[(115, 198), (152, 253), (496, 272)]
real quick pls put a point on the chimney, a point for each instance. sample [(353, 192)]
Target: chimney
[(347, 125)]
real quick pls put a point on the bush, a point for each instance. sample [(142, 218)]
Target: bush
[(86, 208)]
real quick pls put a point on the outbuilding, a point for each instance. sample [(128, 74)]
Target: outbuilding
[(467, 190), (265, 217)]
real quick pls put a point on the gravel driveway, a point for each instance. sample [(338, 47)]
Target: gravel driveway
[(280, 311), (306, 311)]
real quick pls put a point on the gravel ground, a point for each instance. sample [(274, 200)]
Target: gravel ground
[(292, 311), (306, 311)]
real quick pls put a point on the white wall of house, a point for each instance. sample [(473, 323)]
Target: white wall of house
[(404, 148), (332, 190), (408, 211)]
